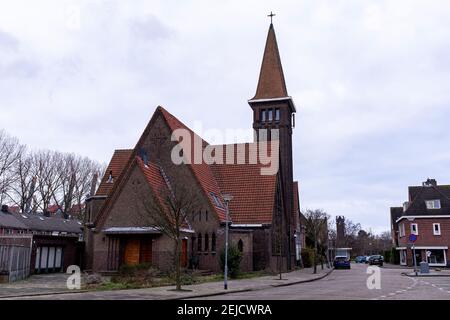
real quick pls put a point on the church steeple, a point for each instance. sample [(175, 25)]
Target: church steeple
[(271, 82), (273, 119)]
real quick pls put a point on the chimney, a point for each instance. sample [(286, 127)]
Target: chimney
[(5, 208), (430, 183)]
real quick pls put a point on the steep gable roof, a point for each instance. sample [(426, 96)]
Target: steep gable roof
[(271, 82), (418, 196), (202, 171), (117, 164)]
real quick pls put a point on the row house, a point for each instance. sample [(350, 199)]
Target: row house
[(56, 243)]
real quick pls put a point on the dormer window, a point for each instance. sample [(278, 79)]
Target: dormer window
[(433, 204), (110, 178), (216, 200)]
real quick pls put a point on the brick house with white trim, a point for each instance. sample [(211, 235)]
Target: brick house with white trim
[(427, 215)]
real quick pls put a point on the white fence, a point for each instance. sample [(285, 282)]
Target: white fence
[(15, 257)]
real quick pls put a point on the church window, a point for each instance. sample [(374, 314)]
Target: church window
[(277, 114), (206, 215), (263, 115), (213, 242), (206, 242), (199, 216), (241, 245), (199, 242), (269, 115)]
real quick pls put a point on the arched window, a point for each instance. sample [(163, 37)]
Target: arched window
[(241, 245), (206, 242), (213, 242), (199, 242)]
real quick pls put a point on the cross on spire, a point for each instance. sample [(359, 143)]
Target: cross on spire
[(271, 15)]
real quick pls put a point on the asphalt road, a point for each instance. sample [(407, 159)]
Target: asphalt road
[(352, 284)]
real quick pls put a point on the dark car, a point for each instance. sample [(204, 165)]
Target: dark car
[(341, 262), (360, 259), (376, 260)]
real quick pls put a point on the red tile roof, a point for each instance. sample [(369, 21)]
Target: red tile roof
[(253, 193), (201, 171), (156, 181), (118, 162)]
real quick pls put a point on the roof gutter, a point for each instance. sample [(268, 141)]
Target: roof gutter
[(289, 98), (422, 217), (246, 225)]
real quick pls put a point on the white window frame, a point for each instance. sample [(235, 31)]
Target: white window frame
[(417, 228), (436, 232), (402, 230), (431, 204)]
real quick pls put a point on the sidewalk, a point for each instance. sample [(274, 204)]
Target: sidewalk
[(433, 273), (168, 293)]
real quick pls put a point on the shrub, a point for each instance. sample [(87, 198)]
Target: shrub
[(395, 256), (387, 256), (307, 257), (234, 261)]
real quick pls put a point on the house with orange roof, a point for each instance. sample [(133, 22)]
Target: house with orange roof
[(264, 213)]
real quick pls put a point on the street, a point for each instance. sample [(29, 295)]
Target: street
[(338, 285), (351, 285)]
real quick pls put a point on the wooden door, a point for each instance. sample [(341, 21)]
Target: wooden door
[(184, 257), (146, 251), (132, 249)]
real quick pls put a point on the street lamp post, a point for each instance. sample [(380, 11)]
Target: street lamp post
[(227, 198)]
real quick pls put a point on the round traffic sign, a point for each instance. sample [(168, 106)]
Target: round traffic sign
[(413, 237)]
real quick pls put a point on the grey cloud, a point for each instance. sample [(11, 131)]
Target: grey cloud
[(8, 42)]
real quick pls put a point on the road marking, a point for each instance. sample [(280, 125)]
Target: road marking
[(392, 294), (399, 291)]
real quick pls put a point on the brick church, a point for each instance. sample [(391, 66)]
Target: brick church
[(264, 213)]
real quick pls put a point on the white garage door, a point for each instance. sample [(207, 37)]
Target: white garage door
[(48, 259)]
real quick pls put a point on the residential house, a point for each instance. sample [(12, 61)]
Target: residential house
[(426, 215)]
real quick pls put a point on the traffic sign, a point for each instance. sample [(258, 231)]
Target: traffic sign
[(413, 238)]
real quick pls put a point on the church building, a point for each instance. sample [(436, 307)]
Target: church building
[(264, 211)]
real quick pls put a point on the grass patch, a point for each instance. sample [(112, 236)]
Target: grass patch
[(139, 279)]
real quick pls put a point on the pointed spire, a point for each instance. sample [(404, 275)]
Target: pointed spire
[(271, 82)]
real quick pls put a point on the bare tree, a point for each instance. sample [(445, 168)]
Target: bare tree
[(23, 188), (47, 171), (169, 210), (316, 223), (10, 152)]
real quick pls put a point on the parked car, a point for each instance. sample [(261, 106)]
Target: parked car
[(367, 259), (360, 259), (341, 262), (376, 260)]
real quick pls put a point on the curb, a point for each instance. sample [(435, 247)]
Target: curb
[(43, 294), (252, 289), (425, 276), (302, 281), (186, 297)]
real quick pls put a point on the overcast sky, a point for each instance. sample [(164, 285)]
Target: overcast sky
[(371, 81)]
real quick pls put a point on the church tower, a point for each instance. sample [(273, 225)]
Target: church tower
[(273, 108)]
